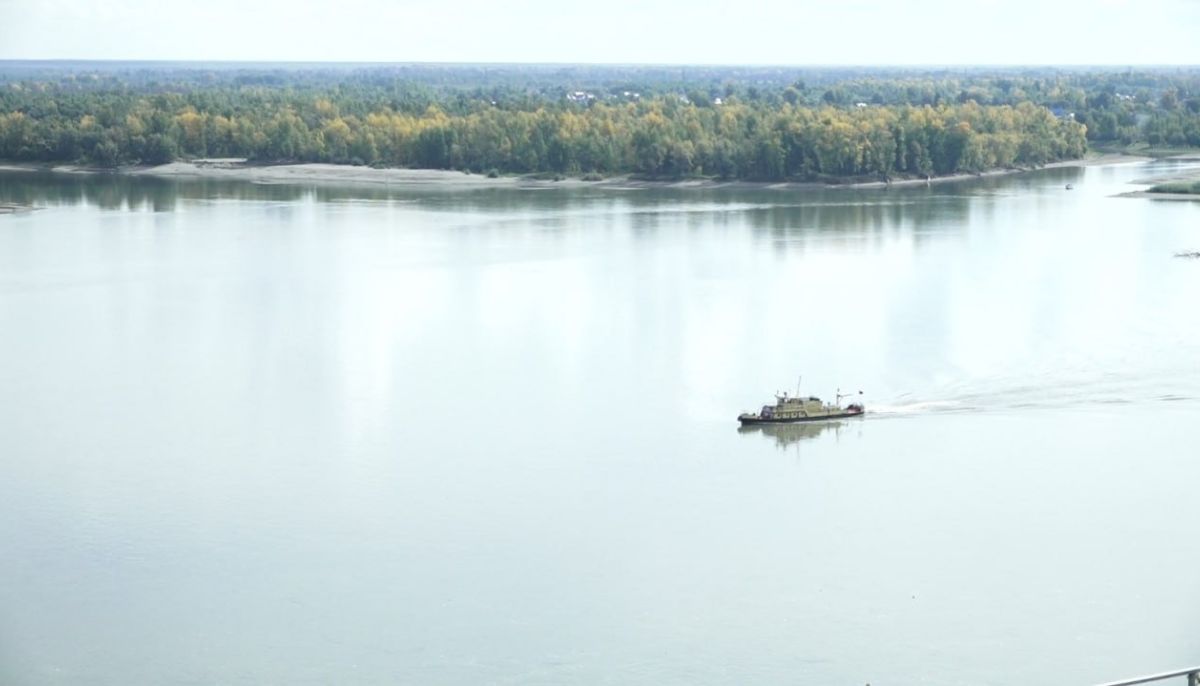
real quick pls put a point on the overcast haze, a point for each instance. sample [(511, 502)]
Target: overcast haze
[(629, 31)]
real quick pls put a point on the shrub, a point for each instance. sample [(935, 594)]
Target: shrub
[(1177, 187)]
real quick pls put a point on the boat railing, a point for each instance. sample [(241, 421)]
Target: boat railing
[(1192, 674)]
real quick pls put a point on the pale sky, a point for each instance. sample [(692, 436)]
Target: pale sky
[(792, 32)]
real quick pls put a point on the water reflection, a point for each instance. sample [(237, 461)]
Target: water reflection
[(786, 435), (772, 213), (119, 191)]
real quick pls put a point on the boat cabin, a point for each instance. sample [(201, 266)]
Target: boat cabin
[(794, 408)]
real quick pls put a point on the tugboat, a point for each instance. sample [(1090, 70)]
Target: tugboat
[(799, 409)]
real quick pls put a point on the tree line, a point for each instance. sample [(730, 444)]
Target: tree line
[(660, 136)]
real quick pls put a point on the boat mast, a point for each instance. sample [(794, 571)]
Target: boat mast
[(841, 395)]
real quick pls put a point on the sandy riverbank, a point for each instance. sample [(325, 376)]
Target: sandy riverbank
[(1190, 176), (1160, 196), (343, 175)]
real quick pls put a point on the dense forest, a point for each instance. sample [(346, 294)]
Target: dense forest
[(735, 123)]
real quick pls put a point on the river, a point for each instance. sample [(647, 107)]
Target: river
[(281, 434)]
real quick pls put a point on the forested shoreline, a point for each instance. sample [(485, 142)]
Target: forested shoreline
[(714, 126)]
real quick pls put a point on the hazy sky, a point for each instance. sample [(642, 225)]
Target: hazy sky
[(659, 31)]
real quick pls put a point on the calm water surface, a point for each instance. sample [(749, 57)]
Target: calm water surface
[(268, 434)]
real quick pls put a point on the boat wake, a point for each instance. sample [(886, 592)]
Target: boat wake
[(1060, 393), (917, 407)]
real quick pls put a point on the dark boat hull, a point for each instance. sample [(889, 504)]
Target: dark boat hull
[(755, 419)]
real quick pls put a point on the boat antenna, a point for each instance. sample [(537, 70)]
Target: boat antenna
[(798, 380)]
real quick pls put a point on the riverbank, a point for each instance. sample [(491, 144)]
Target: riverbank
[(236, 169), (1181, 186), (13, 208), (1160, 196)]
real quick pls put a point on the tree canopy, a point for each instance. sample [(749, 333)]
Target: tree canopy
[(735, 123)]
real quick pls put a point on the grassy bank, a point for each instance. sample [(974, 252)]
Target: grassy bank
[(1143, 149), (1178, 187)]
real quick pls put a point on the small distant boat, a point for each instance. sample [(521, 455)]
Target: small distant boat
[(1069, 186), (799, 409)]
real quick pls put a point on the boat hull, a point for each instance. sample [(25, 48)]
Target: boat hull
[(748, 419)]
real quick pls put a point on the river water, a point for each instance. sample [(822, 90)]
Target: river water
[(270, 434)]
